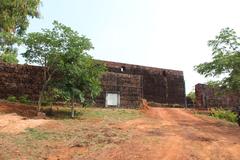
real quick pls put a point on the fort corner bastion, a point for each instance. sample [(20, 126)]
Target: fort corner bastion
[(122, 85)]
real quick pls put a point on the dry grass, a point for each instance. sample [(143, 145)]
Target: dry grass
[(122, 134), (91, 130)]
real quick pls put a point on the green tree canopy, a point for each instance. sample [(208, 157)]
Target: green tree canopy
[(225, 60), (80, 80), (9, 58), (63, 54), (14, 21), (192, 96)]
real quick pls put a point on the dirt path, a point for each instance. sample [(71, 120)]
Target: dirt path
[(13, 123), (160, 134), (175, 134), (15, 118)]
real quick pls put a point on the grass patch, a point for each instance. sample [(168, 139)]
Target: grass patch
[(221, 113), (118, 114), (110, 114), (36, 134)]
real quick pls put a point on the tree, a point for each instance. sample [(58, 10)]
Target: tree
[(80, 73), (8, 53), (81, 78), (14, 16), (43, 48), (192, 96), (63, 55), (225, 60)]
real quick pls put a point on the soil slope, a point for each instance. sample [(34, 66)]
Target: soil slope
[(176, 134), (158, 134)]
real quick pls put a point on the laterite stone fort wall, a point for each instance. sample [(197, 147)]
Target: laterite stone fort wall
[(210, 97), (128, 86), (133, 82), (158, 85), (19, 80)]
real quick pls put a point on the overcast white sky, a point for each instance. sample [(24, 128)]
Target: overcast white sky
[(170, 34)]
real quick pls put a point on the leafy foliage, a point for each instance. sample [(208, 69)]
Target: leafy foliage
[(63, 53), (43, 48), (80, 73), (224, 114), (192, 96), (9, 58), (214, 84), (14, 16), (11, 99), (7, 42), (24, 99), (81, 78), (225, 59)]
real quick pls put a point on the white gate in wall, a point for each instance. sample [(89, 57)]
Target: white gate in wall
[(112, 99)]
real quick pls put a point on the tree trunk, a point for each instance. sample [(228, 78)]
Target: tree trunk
[(42, 90), (41, 94), (51, 109), (40, 100), (72, 108), (46, 80)]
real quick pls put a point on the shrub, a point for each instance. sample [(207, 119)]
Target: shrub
[(45, 103), (24, 99), (224, 114), (12, 99), (9, 58)]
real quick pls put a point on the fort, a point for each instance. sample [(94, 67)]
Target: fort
[(207, 97), (123, 84), (134, 82)]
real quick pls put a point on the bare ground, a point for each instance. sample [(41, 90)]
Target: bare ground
[(12, 123), (175, 134), (161, 133), (16, 118)]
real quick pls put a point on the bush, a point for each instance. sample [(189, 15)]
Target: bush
[(224, 114), (45, 103), (9, 58), (12, 99), (24, 99)]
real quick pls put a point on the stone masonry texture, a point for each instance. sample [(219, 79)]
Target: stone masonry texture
[(132, 82), (212, 97), (128, 86), (158, 85), (20, 80)]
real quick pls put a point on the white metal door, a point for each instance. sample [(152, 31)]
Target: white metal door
[(112, 99)]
